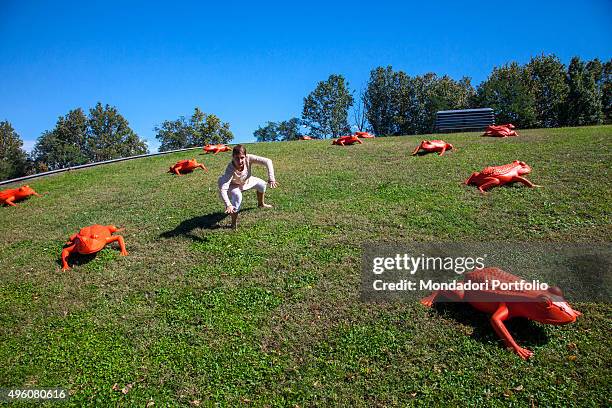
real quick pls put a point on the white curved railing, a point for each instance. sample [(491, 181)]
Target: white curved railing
[(82, 166)]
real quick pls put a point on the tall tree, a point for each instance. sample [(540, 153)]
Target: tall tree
[(404, 105), (13, 159), (547, 78), (606, 91), (326, 108), (508, 91), (583, 105), (199, 130), (173, 134), (268, 133), (289, 129), (110, 136), (378, 100), (444, 94), (285, 130), (66, 145), (359, 112), (422, 110)]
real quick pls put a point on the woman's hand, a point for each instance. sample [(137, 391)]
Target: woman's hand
[(272, 184), (230, 209)]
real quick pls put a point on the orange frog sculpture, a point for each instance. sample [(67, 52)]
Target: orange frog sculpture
[(364, 135), (9, 196), (305, 137), (430, 146), (346, 140), (505, 296), (500, 130), (90, 240), (500, 175), (216, 148), (186, 166)]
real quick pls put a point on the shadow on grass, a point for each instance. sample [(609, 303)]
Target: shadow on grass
[(425, 153), (76, 259), (208, 221), (524, 331)]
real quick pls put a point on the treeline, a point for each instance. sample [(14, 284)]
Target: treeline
[(103, 134), (200, 129), (542, 93)]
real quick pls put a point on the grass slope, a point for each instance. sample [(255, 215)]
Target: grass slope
[(270, 314)]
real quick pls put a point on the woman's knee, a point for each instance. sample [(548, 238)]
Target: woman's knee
[(260, 186), (235, 196)]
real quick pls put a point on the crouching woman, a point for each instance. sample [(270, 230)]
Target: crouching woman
[(238, 178)]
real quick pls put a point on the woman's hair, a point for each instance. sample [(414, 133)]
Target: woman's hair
[(238, 150)]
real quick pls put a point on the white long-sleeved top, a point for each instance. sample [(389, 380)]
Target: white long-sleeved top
[(233, 177)]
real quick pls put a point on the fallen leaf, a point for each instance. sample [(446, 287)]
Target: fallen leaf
[(519, 388), (115, 387), (126, 389), (150, 404), (572, 358), (194, 403)]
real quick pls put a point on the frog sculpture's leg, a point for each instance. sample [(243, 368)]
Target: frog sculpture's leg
[(119, 239), (497, 321), (359, 141), (113, 229), (415, 151), (177, 170), (489, 182), (524, 181), (443, 150), (452, 295), (203, 167), (469, 179), (66, 253), (9, 201)]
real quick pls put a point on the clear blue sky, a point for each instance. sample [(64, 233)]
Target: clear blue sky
[(254, 62)]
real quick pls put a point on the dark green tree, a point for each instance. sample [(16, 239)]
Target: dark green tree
[(359, 112), (109, 135), (509, 93), (326, 108), (289, 129), (173, 134), (199, 130), (66, 145), (379, 103), (443, 94), (13, 159), (606, 91), (404, 105), (547, 78), (209, 129), (268, 133), (583, 106)]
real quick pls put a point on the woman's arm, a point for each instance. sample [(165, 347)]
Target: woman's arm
[(224, 184), (265, 162)]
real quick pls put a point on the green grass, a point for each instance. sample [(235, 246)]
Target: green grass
[(270, 315)]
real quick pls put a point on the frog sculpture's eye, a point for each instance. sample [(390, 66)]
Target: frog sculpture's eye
[(545, 301)]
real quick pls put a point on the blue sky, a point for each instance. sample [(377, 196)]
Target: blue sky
[(253, 62)]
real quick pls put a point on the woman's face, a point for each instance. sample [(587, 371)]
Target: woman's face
[(239, 160)]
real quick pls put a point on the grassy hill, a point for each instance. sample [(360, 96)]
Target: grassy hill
[(270, 314)]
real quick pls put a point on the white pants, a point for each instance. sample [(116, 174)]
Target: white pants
[(235, 191)]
